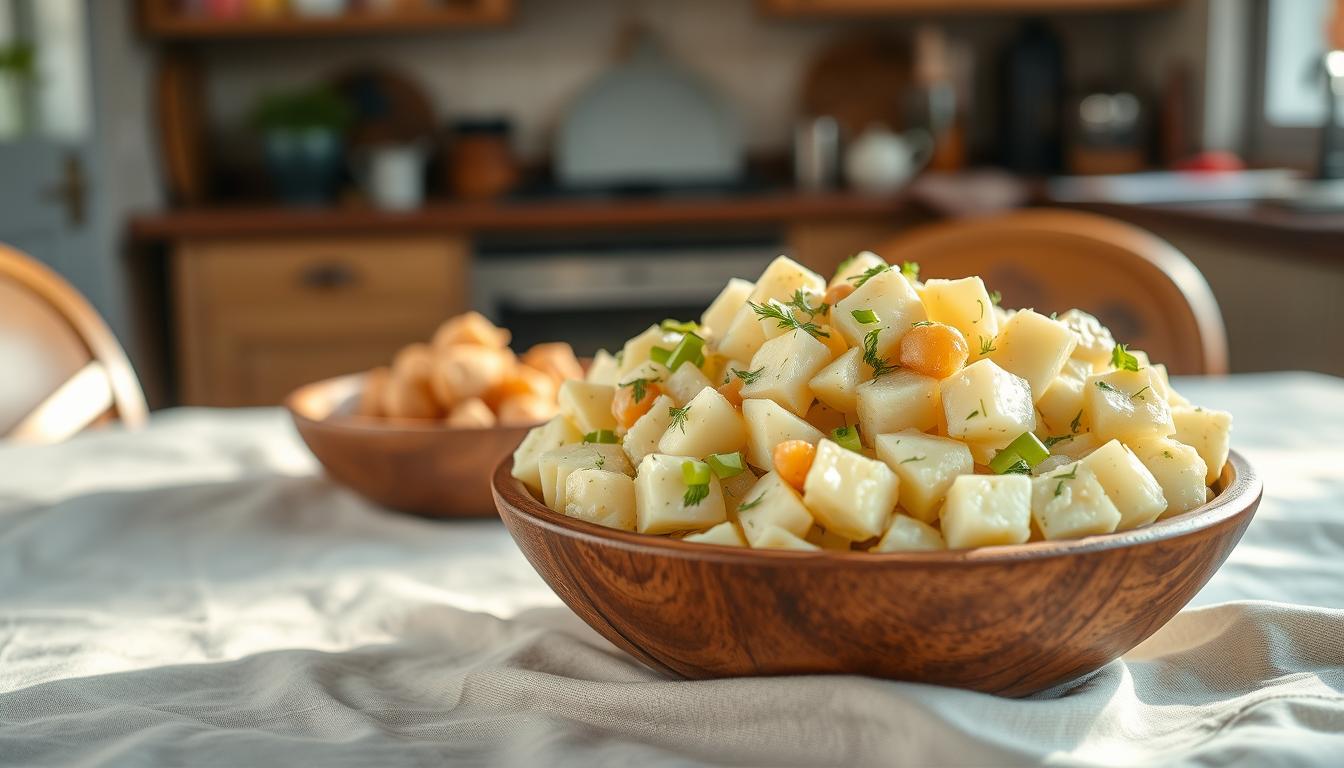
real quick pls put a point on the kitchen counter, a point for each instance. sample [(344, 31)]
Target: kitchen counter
[(1242, 219)]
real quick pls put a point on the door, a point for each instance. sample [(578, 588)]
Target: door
[(46, 146)]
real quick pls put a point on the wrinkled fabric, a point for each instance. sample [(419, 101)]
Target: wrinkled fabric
[(198, 594)]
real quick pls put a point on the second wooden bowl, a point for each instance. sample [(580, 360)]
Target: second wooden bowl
[(1005, 620), (424, 468)]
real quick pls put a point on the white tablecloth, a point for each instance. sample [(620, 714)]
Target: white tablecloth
[(198, 594)]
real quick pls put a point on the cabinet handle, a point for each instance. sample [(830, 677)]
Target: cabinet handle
[(328, 276)]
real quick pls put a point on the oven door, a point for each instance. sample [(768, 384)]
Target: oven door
[(597, 299)]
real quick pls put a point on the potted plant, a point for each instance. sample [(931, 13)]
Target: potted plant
[(302, 133), (16, 77)]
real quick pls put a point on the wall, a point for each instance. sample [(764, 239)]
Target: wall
[(531, 70)]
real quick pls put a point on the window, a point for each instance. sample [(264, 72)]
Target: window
[(1294, 50)]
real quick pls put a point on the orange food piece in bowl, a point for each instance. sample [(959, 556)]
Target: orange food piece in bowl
[(371, 396), (837, 292), (462, 372), (471, 414), (522, 380), (525, 409), (936, 350), (627, 409), (555, 358), (732, 390), (470, 328), (793, 459)]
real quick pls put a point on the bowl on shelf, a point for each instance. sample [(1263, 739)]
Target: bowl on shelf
[(421, 467), (1009, 620)]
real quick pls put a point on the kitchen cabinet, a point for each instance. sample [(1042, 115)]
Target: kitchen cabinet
[(821, 8), (256, 317)]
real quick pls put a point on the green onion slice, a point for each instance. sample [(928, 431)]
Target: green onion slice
[(680, 326), (660, 355), (1026, 449), (726, 465), (600, 436), (865, 316), (689, 350), (695, 472), (847, 437)]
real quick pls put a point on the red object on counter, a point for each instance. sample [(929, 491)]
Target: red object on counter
[(1213, 161)]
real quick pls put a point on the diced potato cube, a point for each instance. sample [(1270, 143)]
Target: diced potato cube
[(772, 327), (553, 434), (850, 494), (1034, 347), (890, 296), (685, 383), (789, 362), (768, 425), (773, 502), (636, 350), (896, 401), (724, 308), (601, 497), (1174, 398), (660, 491), (735, 490), (743, 336), (1062, 403), (987, 405), (711, 425), (643, 436), (587, 405), (1069, 502), (828, 540), (854, 266), (782, 278), (1207, 431), (1178, 468), (825, 418), (926, 465), (1128, 484), (963, 304), (724, 534), (1122, 405), (778, 538), (1094, 340), (906, 533), (984, 510), (836, 385), (1076, 446), (555, 467), (647, 370), (604, 369)]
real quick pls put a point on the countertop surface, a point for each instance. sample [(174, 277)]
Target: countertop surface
[(198, 593)]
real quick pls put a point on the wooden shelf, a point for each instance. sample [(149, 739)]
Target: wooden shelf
[(515, 216), (862, 8), (161, 20)]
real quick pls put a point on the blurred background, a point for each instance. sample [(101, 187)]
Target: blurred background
[(260, 193)]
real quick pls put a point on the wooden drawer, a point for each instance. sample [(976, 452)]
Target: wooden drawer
[(257, 318)]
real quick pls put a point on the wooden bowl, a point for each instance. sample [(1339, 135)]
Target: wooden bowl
[(424, 468), (1005, 620)]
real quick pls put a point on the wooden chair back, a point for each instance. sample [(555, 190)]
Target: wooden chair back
[(1147, 292), (64, 370)]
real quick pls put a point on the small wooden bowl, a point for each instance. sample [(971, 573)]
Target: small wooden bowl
[(1005, 620), (424, 468)]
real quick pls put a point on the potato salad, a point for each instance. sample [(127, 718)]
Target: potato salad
[(873, 412)]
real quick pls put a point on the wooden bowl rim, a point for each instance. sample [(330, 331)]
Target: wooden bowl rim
[(356, 423), (1240, 494)]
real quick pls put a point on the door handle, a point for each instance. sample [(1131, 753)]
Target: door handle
[(71, 190)]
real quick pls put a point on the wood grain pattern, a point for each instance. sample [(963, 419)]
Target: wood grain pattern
[(258, 317), (1005, 620), (1147, 292), (423, 468)]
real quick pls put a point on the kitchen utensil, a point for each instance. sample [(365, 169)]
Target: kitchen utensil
[(816, 153), (1007, 620), (880, 161), (393, 175), (648, 122), (481, 164), (420, 467)]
